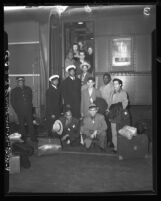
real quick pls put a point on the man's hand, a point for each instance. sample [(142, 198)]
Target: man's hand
[(94, 134)]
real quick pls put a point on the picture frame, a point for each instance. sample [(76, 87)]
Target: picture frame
[(122, 54)]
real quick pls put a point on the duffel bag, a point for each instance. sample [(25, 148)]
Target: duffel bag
[(48, 146)]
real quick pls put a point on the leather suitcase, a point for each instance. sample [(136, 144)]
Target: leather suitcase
[(14, 164), (137, 147)]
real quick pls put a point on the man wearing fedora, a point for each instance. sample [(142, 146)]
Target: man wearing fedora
[(21, 101), (67, 127), (94, 128), (85, 74), (53, 102), (71, 91)]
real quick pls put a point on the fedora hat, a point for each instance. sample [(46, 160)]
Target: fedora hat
[(58, 127), (70, 67), (53, 77), (85, 64)]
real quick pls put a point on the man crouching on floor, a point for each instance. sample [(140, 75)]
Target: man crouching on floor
[(69, 134), (94, 128)]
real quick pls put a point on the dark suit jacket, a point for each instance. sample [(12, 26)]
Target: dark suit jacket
[(85, 99), (53, 101), (72, 129), (21, 99), (71, 94)]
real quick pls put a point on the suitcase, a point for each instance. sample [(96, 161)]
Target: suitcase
[(137, 147), (47, 146), (14, 164), (23, 148)]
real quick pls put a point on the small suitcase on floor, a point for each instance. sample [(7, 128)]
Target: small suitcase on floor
[(14, 164), (48, 146), (137, 147)]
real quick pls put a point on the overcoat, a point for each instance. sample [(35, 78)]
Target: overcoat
[(53, 104), (85, 99), (71, 94)]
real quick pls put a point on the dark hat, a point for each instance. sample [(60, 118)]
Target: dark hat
[(20, 78), (93, 106)]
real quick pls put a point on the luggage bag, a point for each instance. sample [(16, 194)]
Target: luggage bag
[(48, 146), (137, 147)]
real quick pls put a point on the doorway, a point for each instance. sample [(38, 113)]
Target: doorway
[(80, 34)]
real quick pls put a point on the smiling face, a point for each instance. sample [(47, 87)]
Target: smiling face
[(75, 47), (106, 79), (82, 55), (117, 85), (55, 81), (72, 72), (92, 112), (68, 115), (84, 69), (90, 83)]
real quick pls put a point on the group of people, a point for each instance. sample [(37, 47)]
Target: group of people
[(78, 55), (76, 111)]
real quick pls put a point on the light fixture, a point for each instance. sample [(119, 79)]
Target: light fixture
[(13, 7), (61, 9), (147, 11), (80, 22), (88, 9)]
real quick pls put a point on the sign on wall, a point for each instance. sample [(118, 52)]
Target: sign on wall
[(121, 50)]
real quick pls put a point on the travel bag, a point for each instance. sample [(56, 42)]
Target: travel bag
[(47, 146)]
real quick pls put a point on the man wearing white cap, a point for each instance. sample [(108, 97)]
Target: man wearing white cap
[(71, 91), (53, 102)]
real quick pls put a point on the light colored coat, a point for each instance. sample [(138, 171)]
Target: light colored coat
[(85, 99)]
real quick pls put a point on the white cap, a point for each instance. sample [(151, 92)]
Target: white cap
[(53, 76), (69, 67)]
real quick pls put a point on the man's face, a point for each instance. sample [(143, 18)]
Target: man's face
[(92, 112), (90, 83), (106, 79), (90, 50), (20, 83), (72, 72), (82, 56), (85, 69), (75, 47), (116, 85), (68, 115), (55, 82)]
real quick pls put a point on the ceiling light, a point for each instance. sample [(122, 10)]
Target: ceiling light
[(13, 7), (80, 22)]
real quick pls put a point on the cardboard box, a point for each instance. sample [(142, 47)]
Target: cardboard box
[(14, 164)]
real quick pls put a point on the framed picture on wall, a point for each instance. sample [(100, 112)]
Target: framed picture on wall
[(121, 54)]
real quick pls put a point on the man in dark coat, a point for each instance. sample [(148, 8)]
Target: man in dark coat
[(53, 102), (71, 91), (71, 127), (21, 101)]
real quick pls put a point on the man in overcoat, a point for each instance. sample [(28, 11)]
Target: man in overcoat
[(94, 128), (53, 102), (21, 101), (71, 91)]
